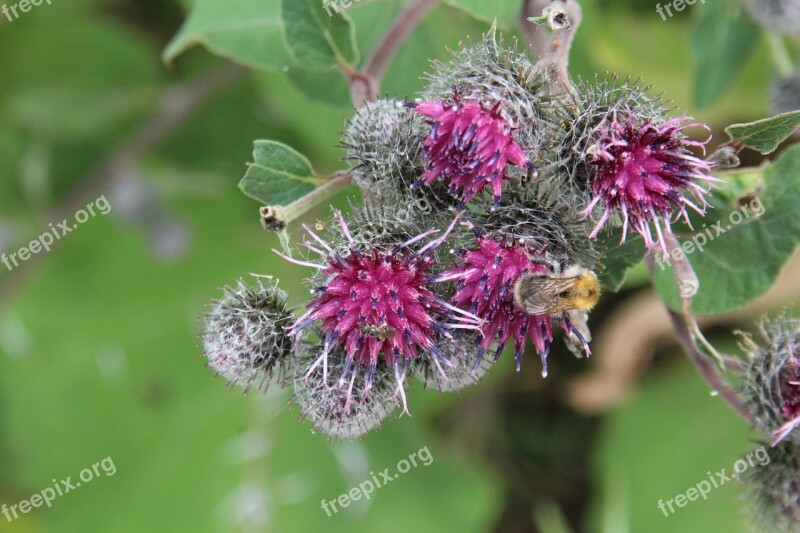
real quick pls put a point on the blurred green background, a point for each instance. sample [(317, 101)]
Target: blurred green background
[(99, 352)]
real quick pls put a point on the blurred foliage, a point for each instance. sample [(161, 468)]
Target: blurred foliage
[(662, 444), (741, 260), (98, 348)]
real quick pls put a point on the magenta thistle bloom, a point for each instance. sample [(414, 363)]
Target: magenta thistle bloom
[(378, 304), (485, 283), (644, 173), (469, 146)]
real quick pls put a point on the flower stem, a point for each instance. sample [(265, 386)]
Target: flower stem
[(278, 217), (709, 372), (688, 333), (688, 285), (365, 84), (553, 47), (377, 63)]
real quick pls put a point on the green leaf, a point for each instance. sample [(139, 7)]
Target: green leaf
[(316, 36), (279, 174), (723, 38), (741, 182), (506, 12), (767, 134), (743, 261), (618, 258), (245, 31), (328, 87)]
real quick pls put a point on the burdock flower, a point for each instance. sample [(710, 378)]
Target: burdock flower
[(485, 288), (377, 304), (469, 146), (645, 173)]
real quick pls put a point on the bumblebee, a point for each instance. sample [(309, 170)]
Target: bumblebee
[(571, 289)]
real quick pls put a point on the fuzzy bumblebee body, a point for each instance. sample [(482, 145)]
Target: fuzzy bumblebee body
[(571, 289)]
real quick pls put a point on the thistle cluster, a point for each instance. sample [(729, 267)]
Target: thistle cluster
[(483, 200)]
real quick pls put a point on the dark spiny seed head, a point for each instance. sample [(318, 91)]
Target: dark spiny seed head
[(245, 336), (771, 489), (383, 143), (771, 379)]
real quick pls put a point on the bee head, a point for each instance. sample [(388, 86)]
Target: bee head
[(586, 291)]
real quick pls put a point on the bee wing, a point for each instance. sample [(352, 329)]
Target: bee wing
[(544, 295)]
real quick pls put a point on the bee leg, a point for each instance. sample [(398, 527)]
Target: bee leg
[(570, 328)]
